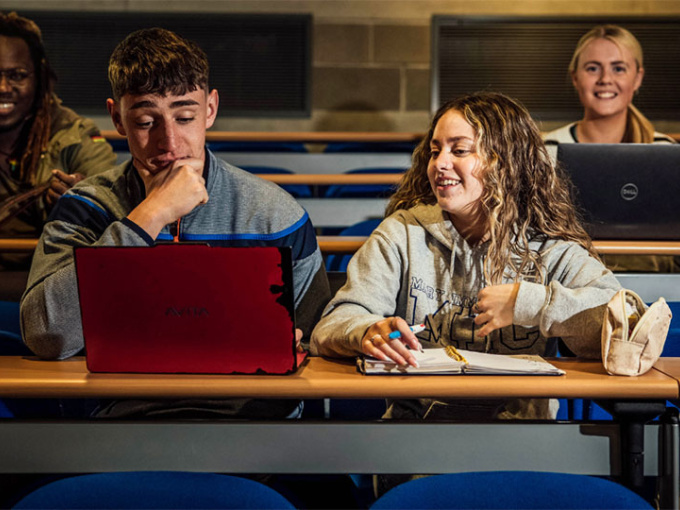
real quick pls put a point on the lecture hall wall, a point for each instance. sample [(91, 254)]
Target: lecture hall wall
[(371, 58)]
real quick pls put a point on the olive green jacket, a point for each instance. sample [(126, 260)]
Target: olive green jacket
[(76, 146)]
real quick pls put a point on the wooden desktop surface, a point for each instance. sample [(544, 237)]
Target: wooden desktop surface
[(669, 366), (322, 378), (350, 244)]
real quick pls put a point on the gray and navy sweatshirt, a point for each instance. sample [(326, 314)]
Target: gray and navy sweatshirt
[(243, 210)]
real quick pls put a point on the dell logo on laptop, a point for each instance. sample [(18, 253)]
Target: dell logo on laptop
[(186, 311), (629, 191)]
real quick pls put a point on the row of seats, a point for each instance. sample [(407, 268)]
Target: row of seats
[(300, 147), (336, 190), (307, 191), (480, 490), (120, 145)]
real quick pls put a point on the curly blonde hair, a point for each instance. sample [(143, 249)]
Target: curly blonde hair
[(638, 128), (524, 194)]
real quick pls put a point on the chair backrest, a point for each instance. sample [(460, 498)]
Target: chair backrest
[(9, 317), (153, 489), (363, 190), (5, 412), (672, 346), (358, 409), (257, 146), (297, 190), (510, 489), (10, 331), (363, 228), (379, 147)]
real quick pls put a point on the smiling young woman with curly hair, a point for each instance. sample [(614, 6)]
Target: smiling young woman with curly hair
[(482, 245)]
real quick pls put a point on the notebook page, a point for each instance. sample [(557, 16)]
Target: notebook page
[(484, 363), (431, 361)]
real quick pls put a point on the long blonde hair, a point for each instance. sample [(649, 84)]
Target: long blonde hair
[(638, 127), (524, 195)]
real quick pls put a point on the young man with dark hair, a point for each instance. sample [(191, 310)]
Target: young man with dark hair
[(173, 188)]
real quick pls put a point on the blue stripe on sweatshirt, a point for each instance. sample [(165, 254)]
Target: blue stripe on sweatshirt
[(82, 211), (300, 236)]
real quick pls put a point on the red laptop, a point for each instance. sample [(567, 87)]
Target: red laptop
[(187, 308)]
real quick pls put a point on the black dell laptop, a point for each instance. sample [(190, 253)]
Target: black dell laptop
[(626, 191)]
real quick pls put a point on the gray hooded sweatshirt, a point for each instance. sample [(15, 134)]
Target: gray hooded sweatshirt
[(416, 266)]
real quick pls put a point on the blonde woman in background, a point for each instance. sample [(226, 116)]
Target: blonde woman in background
[(607, 71)]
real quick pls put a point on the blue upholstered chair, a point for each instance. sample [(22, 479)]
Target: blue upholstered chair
[(363, 190), (363, 228), (9, 318), (672, 346), (152, 489), (11, 345), (377, 147), (225, 146), (5, 412), (297, 190), (510, 489)]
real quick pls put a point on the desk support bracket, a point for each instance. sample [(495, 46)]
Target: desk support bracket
[(632, 416), (668, 486)]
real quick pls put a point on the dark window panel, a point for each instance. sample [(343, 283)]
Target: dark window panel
[(527, 58), (260, 64)]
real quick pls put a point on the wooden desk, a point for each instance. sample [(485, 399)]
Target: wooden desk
[(321, 378), (669, 367), (296, 446), (350, 244), (18, 245)]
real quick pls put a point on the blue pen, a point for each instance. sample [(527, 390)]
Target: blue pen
[(416, 329)]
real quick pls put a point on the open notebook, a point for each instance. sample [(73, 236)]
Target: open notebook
[(449, 360)]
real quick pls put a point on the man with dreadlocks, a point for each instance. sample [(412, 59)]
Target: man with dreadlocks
[(45, 148)]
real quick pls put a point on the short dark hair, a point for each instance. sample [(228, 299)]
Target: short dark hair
[(157, 61)]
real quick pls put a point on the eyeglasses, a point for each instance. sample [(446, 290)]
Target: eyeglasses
[(15, 76)]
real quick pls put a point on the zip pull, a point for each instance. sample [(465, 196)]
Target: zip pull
[(174, 230)]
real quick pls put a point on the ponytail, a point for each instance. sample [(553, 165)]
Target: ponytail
[(638, 128)]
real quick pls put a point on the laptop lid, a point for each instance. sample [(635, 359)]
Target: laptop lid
[(183, 308), (626, 191)]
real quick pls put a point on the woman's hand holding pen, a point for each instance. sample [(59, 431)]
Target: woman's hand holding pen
[(377, 342), (495, 307)]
